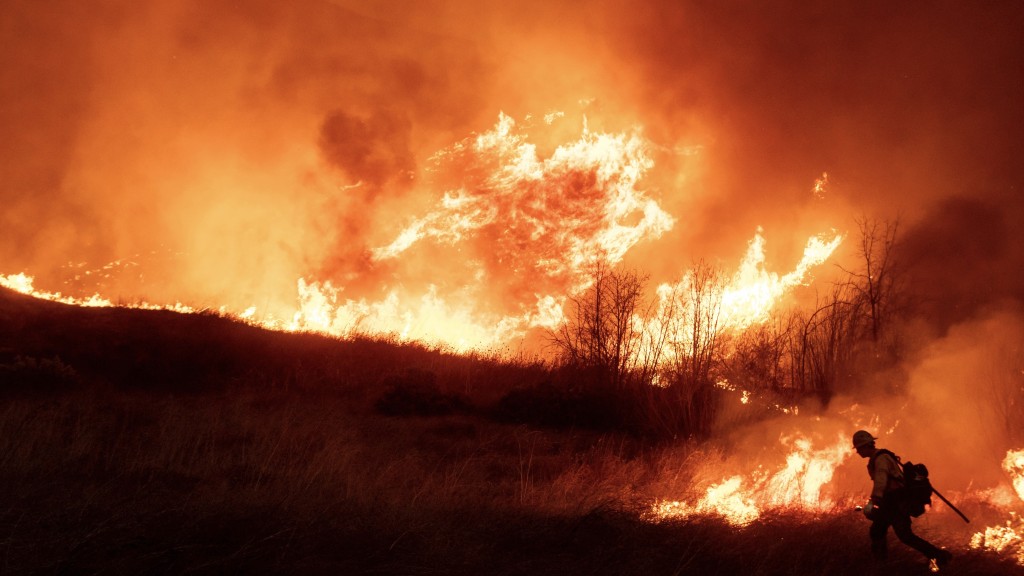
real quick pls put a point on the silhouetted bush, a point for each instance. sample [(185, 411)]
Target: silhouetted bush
[(415, 392), (557, 405), (678, 410), (27, 374)]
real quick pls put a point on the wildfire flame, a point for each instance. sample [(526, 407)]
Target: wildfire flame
[(1009, 537), (1013, 464), (576, 204), (24, 284), (543, 222), (798, 484), (527, 228), (1006, 539), (753, 291), (747, 298)]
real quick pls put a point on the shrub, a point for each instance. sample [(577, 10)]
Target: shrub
[(415, 392), (555, 405), (27, 374)]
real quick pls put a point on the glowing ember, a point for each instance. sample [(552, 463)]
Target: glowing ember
[(798, 485), (820, 185)]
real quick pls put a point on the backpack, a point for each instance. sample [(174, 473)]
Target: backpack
[(917, 491), (919, 488)]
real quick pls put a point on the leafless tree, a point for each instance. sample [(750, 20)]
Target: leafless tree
[(824, 344), (698, 315), (1001, 390), (601, 331), (877, 283), (692, 318), (759, 357)]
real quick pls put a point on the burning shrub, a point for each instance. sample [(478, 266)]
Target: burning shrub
[(416, 392)]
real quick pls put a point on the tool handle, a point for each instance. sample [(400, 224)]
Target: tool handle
[(950, 504)]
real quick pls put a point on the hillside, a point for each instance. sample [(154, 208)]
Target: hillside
[(159, 349), (135, 441)]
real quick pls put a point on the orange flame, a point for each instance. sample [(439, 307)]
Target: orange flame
[(753, 291), (1013, 464), (1009, 537), (540, 223), (429, 319), (799, 484), (1005, 539), (724, 499), (747, 299), (578, 220), (24, 283)]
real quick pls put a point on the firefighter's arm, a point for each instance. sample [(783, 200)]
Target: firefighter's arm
[(879, 482), (884, 469)]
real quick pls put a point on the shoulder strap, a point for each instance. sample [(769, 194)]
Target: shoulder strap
[(879, 452)]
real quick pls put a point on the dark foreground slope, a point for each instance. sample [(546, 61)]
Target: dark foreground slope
[(132, 349), (150, 442)]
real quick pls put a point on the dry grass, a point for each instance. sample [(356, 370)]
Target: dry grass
[(99, 483)]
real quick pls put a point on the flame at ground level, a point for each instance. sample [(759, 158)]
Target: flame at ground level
[(1007, 538), (1013, 464), (740, 499), (747, 298), (24, 284)]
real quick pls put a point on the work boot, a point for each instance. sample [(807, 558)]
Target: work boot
[(943, 558)]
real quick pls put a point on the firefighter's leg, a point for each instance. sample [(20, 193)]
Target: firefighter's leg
[(901, 526), (878, 532)]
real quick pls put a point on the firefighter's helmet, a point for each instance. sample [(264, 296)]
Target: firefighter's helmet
[(862, 438)]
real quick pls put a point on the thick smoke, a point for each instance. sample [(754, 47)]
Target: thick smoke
[(963, 257), (374, 151), (966, 399)]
